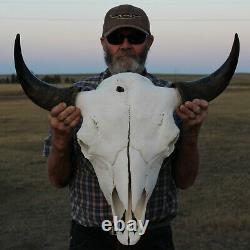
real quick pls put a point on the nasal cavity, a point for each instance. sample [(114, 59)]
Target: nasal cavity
[(119, 89)]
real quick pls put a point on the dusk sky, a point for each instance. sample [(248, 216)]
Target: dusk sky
[(62, 36)]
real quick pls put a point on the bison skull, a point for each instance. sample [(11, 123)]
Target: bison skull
[(128, 129)]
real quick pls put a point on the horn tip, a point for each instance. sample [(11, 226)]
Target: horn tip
[(236, 42), (17, 43), (236, 36)]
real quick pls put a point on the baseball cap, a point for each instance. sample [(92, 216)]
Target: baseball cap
[(125, 16)]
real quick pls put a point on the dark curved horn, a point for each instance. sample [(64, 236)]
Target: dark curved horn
[(210, 87), (41, 93)]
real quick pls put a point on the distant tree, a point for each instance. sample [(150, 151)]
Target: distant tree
[(52, 79), (69, 80), (13, 78), (57, 79)]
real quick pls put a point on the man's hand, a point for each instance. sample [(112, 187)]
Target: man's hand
[(193, 114), (62, 120)]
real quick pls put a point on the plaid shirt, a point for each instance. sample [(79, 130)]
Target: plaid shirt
[(89, 206)]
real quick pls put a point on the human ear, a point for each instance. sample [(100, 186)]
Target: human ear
[(150, 40), (102, 39)]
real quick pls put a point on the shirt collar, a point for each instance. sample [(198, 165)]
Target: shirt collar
[(107, 73)]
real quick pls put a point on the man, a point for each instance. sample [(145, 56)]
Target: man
[(126, 40)]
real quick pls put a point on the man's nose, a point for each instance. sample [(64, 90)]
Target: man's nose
[(126, 43)]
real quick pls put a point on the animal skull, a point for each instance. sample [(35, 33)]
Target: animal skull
[(128, 130)]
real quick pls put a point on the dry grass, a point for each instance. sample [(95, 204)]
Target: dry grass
[(214, 213), (33, 215)]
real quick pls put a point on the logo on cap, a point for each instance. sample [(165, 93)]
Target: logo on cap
[(124, 16)]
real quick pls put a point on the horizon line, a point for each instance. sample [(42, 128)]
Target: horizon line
[(93, 73)]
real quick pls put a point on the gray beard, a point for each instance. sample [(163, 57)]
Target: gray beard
[(125, 62)]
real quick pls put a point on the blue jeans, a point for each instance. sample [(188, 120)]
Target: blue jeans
[(89, 238)]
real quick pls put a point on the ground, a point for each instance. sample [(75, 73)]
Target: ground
[(213, 214)]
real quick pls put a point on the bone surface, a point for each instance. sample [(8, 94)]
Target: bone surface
[(128, 130)]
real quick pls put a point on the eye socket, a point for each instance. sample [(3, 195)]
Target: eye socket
[(83, 145)]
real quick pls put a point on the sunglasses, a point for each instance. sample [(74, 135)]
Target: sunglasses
[(134, 37)]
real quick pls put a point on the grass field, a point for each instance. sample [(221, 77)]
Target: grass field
[(214, 213)]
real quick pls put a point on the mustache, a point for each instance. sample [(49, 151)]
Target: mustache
[(126, 52)]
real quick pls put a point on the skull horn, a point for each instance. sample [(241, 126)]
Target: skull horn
[(41, 93), (210, 87)]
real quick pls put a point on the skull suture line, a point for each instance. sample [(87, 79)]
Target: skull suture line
[(126, 135), (128, 128)]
